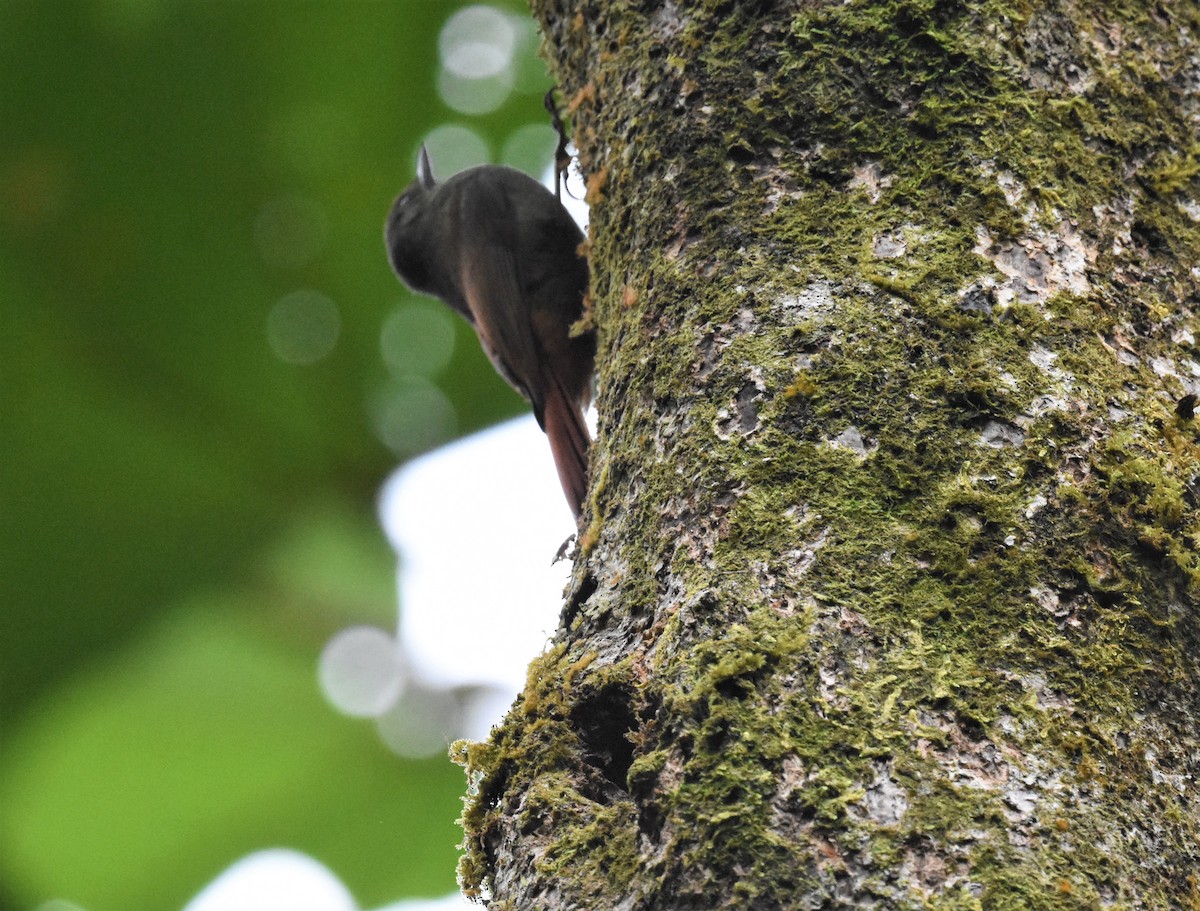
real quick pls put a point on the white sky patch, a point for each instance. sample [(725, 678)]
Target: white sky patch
[(476, 525), (279, 879), (275, 880), (575, 185)]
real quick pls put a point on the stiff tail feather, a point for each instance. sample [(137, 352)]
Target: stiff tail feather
[(568, 435)]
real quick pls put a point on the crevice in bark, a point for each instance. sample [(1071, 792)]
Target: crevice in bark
[(604, 721), (585, 589)]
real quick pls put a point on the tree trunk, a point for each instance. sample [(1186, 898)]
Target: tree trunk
[(886, 593)]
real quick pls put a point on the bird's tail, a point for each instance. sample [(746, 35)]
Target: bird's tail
[(568, 435)]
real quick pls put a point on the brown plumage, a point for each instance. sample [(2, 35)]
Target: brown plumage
[(497, 247)]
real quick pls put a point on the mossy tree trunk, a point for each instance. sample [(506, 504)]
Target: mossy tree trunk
[(886, 594)]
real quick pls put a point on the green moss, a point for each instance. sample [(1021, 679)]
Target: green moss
[(861, 616), (599, 847), (539, 751)]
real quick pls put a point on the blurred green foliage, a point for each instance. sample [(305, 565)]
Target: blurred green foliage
[(184, 517)]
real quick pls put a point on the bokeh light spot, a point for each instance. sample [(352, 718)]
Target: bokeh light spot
[(418, 338), (303, 327), (422, 723), (453, 148), (473, 96), (412, 415), (477, 43), (361, 672), (477, 46), (59, 904)]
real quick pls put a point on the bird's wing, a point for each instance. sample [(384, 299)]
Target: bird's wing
[(490, 278)]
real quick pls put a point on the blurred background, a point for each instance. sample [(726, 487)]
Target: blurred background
[(207, 373)]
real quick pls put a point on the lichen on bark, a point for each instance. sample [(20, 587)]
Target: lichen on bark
[(887, 590)]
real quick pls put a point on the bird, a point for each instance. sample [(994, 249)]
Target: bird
[(500, 249)]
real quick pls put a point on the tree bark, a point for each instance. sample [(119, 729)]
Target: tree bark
[(886, 593)]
